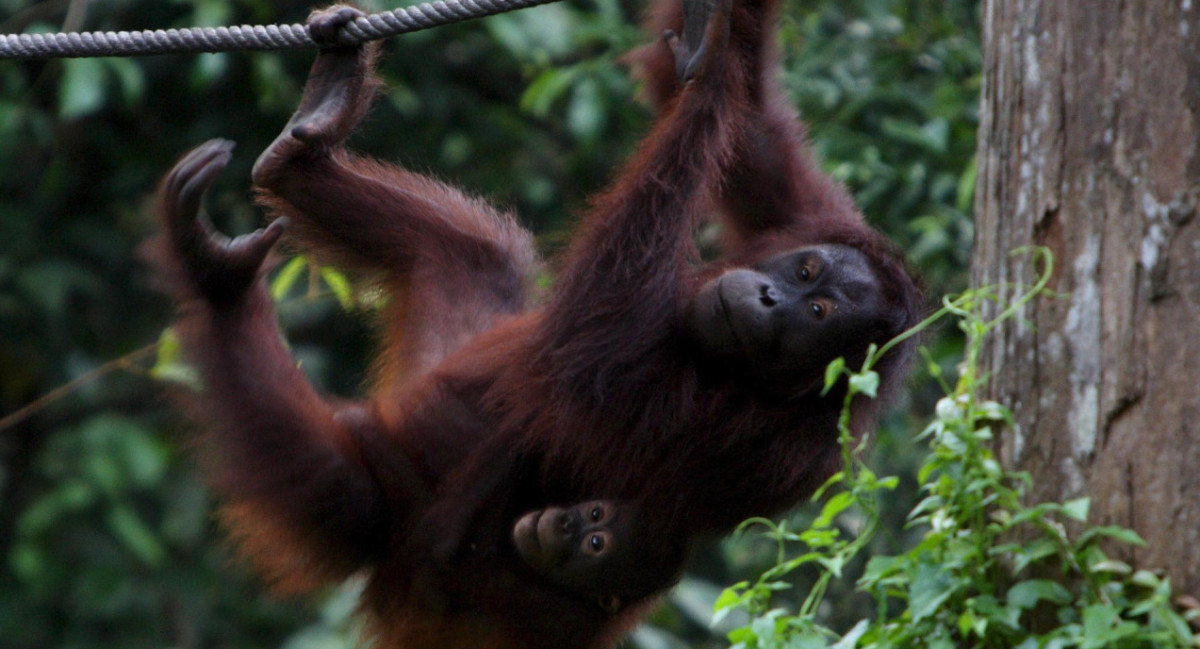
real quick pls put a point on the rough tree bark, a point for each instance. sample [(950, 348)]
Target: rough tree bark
[(1089, 144)]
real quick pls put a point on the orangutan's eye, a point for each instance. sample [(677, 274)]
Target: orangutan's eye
[(596, 543)]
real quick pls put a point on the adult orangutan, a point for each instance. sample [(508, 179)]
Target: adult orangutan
[(686, 397)]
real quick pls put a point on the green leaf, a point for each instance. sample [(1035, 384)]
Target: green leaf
[(102, 470), (1102, 627), (988, 612), (143, 456), (888, 484), (136, 536), (169, 365), (340, 286), (1176, 625), (931, 136), (49, 510), (551, 84), (850, 640), (940, 642), (833, 564), (1027, 594), (29, 561), (1025, 555), (1077, 509), (169, 350), (966, 623), (1115, 532), (586, 116), (833, 371), (729, 597), (835, 479), (930, 588), (866, 383), (879, 567), (819, 538), (82, 88), (287, 276), (966, 187), (836, 504), (993, 411), (1145, 579), (1111, 565)]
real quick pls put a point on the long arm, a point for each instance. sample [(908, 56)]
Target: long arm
[(626, 273), (458, 262), (620, 290), (298, 496), (773, 184)]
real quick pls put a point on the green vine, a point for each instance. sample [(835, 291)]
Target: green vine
[(968, 582)]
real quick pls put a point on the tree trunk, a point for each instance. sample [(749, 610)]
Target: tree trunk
[(1089, 144)]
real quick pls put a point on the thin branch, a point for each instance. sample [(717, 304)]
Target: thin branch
[(125, 362)]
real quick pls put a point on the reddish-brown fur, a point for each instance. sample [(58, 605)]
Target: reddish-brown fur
[(485, 406), (606, 362)]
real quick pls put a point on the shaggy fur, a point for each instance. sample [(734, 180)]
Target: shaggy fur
[(485, 406)]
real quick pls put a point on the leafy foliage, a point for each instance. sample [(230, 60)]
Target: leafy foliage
[(891, 92), (989, 570)]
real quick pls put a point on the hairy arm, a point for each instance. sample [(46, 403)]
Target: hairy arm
[(774, 186), (626, 273), (618, 294)]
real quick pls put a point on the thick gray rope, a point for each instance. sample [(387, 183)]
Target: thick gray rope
[(250, 37)]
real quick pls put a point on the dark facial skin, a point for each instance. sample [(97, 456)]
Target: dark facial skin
[(795, 311), (578, 548)]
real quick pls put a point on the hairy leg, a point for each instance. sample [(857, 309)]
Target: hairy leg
[(297, 497), (338, 94)]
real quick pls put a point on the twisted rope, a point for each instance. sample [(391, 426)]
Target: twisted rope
[(250, 37)]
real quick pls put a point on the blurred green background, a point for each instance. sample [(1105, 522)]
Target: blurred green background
[(106, 536)]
